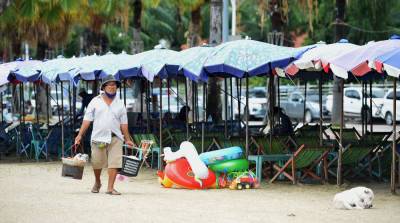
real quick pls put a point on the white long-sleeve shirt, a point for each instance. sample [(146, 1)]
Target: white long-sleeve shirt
[(107, 119)]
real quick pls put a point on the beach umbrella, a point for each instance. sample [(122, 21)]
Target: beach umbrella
[(317, 59), (88, 68), (389, 62), (59, 69), (190, 62), (239, 57), (25, 71), (153, 62), (360, 60), (5, 70)]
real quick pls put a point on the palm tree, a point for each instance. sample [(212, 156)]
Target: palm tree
[(214, 103)]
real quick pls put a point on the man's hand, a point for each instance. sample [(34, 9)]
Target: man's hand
[(130, 143), (78, 139)]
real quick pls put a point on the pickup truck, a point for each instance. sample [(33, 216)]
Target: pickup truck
[(293, 106)]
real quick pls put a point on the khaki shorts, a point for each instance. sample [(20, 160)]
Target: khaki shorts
[(109, 156)]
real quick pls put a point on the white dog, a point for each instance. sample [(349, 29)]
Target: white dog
[(355, 198)]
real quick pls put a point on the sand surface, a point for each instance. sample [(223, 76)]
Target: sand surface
[(35, 192)]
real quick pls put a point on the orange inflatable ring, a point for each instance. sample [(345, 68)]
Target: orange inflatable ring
[(180, 173)]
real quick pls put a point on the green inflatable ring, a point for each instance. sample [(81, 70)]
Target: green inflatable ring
[(230, 166)]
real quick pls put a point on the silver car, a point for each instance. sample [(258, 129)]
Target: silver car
[(294, 106)]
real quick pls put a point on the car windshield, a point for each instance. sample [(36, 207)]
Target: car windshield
[(257, 94), (377, 93)]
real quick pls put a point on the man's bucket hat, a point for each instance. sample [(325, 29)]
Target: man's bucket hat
[(109, 78)]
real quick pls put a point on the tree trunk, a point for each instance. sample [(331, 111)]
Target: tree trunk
[(3, 5), (339, 33), (193, 39), (214, 107), (42, 98), (137, 46)]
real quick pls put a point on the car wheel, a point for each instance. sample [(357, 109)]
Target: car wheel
[(388, 118), (308, 116)]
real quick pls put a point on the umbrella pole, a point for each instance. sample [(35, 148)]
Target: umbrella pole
[(124, 81), (120, 93), (148, 105), (393, 169), (339, 167), (169, 94), (226, 108), (58, 105), (305, 102), (270, 111), (62, 121), (186, 110), (35, 87), (247, 115), (21, 108), (177, 93), (231, 105), (1, 101), (47, 107), (161, 135), (239, 88), (204, 116), (370, 107), (320, 109), (73, 110), (193, 104), (141, 104), (23, 103), (279, 92), (70, 111)]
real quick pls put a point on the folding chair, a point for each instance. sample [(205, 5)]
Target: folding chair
[(38, 144), (304, 159), (24, 139)]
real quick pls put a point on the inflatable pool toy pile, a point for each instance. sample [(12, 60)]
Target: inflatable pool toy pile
[(215, 169)]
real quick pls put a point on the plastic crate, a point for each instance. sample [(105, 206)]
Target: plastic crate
[(130, 166)]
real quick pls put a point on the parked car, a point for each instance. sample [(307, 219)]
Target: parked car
[(353, 105), (257, 103), (387, 107), (294, 106)]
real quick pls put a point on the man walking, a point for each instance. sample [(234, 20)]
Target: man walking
[(110, 130)]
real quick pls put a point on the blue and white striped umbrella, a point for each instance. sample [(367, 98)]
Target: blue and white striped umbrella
[(59, 69), (190, 62), (25, 71), (153, 62), (241, 57)]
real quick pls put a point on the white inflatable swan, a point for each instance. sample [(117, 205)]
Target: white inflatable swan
[(188, 151)]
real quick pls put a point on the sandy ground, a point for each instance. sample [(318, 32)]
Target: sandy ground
[(35, 192)]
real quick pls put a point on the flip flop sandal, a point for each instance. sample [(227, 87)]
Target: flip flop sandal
[(96, 188), (113, 192)]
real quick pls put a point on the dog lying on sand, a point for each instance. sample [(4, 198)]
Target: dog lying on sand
[(355, 198)]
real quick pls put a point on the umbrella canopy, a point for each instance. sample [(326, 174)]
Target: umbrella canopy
[(190, 62), (25, 70), (318, 58), (360, 60), (5, 70), (248, 56), (154, 62), (389, 62), (89, 68), (59, 69)]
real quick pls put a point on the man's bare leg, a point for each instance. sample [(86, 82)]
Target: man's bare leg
[(97, 174), (97, 183), (112, 174)]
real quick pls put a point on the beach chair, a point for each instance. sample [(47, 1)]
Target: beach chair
[(303, 160), (138, 138), (38, 143)]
